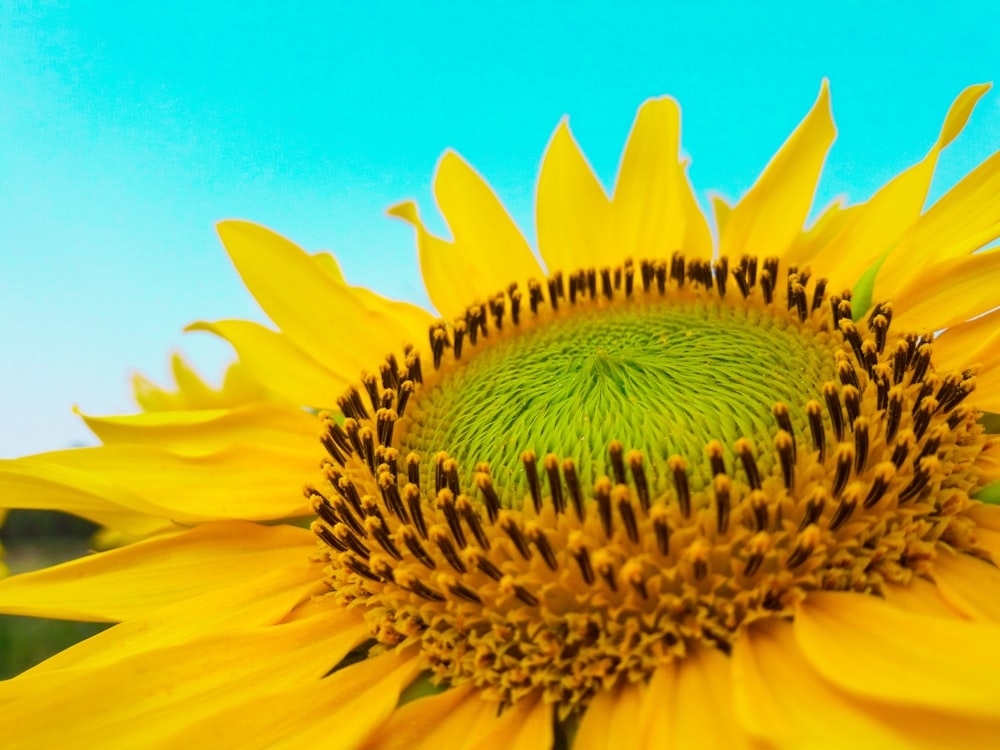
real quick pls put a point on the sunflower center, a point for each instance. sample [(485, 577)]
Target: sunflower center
[(713, 446), (660, 378)]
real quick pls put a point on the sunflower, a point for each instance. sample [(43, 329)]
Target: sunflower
[(654, 495)]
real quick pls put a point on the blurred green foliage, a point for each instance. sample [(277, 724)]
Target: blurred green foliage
[(31, 540)]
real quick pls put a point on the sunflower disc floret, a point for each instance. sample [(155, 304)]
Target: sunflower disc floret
[(568, 571)]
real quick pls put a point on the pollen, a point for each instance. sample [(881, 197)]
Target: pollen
[(607, 467)]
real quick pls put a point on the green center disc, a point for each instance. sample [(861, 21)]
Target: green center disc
[(663, 379)]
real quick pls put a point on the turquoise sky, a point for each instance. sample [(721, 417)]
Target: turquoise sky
[(128, 129)]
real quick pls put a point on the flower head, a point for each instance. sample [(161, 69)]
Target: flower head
[(651, 494)]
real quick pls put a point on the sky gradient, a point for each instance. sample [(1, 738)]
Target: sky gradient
[(128, 130)]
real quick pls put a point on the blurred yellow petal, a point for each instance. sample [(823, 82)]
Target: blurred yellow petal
[(457, 719), (654, 212), (488, 253), (920, 597), (946, 665), (965, 219), (527, 725), (951, 292), (37, 482), (182, 684), (480, 224), (251, 482), (974, 342), (612, 720), (721, 211), (832, 221), (280, 365), (883, 219), (194, 393), (207, 430), (344, 708), (321, 316), (690, 703), (783, 702), (969, 585), (265, 600), (411, 320), (771, 215), (141, 577), (572, 210)]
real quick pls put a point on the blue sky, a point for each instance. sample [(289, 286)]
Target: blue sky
[(127, 130)]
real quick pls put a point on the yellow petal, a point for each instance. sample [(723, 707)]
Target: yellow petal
[(141, 577), (833, 220), (527, 725), (988, 461), (920, 597), (974, 342), (206, 430), (969, 585), (987, 517), (37, 482), (412, 321), (690, 703), (280, 365), (264, 600), (194, 393), (340, 711), (721, 211), (654, 211), (323, 317), (454, 719), (143, 700), (951, 292), (883, 219), (963, 220), (488, 253), (988, 393), (453, 282), (786, 703), (874, 650), (572, 210), (612, 720), (250, 482), (770, 216), (481, 225)]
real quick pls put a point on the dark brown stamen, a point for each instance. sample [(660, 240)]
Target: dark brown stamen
[(715, 452), (551, 464), (440, 537), (813, 507), (409, 537), (446, 503), (510, 527), (785, 445), (634, 459), (529, 460), (745, 453), (623, 502), (411, 496), (485, 485), (845, 458), (537, 536), (860, 444), (814, 412), (834, 409), (467, 510), (722, 486), (884, 474)]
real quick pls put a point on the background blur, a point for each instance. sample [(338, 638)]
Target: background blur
[(128, 129)]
